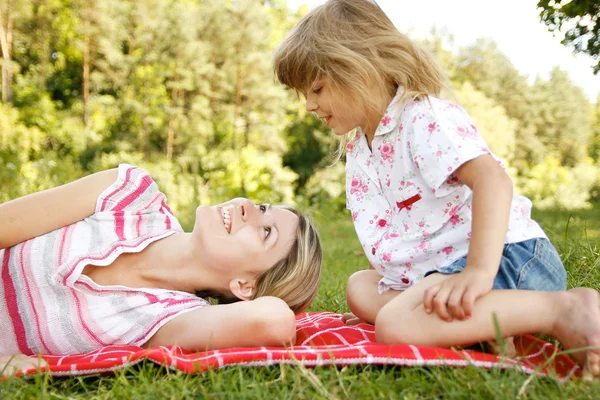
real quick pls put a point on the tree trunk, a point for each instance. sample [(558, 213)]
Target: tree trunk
[(237, 126), (172, 123), (6, 43), (86, 64)]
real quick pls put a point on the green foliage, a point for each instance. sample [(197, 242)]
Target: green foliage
[(582, 20), (551, 185)]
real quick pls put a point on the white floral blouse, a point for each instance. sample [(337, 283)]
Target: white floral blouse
[(411, 214)]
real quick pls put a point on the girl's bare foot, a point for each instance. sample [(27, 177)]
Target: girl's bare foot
[(351, 319), (578, 326), (508, 350)]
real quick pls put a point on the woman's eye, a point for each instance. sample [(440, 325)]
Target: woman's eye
[(262, 208), (267, 233)]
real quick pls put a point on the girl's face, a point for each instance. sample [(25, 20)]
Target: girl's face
[(332, 107), (242, 237)]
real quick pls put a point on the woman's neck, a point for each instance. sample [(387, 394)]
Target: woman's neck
[(168, 263)]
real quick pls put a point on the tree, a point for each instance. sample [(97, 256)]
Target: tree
[(492, 73), (563, 122), (581, 18)]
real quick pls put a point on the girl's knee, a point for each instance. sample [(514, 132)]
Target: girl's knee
[(389, 328), (359, 288)]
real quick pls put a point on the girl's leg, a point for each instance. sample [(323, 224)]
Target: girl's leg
[(363, 297), (572, 317)]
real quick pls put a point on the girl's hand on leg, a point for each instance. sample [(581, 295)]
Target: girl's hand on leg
[(455, 296)]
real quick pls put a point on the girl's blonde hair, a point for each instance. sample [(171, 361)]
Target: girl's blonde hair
[(294, 279), (355, 46)]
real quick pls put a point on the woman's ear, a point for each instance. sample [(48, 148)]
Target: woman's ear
[(241, 288)]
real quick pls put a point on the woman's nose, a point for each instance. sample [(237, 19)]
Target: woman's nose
[(247, 208)]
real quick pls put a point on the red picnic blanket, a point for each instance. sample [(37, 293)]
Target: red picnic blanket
[(322, 339)]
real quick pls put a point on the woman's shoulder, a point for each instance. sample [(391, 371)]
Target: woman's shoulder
[(132, 187)]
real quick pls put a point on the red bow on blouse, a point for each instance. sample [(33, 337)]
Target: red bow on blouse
[(408, 202)]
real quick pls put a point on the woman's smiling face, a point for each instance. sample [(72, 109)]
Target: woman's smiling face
[(240, 236)]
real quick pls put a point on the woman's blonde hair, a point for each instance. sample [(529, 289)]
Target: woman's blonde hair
[(355, 46), (295, 278)]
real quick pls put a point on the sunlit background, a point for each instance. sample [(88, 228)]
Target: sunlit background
[(185, 89)]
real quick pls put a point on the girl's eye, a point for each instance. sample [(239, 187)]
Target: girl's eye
[(317, 90), (262, 208), (267, 233)]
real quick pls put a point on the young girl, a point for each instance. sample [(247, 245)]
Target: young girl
[(433, 208), (103, 261)]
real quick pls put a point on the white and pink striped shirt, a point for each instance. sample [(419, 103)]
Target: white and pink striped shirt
[(48, 307)]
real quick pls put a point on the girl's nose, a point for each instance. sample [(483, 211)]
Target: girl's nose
[(311, 104)]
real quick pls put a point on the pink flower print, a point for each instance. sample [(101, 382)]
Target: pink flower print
[(431, 127), (391, 235), (387, 257), (356, 186), (421, 224), (382, 224), (386, 149), (374, 248), (448, 250), (405, 280), (386, 120), (455, 219), (354, 215), (405, 227), (422, 245), (401, 127), (349, 147), (438, 153), (465, 132), (408, 265)]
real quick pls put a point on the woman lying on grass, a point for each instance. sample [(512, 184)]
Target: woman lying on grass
[(103, 261)]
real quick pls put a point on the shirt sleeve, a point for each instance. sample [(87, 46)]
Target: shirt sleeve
[(134, 191), (442, 138)]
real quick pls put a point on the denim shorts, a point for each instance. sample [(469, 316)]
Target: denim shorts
[(533, 264)]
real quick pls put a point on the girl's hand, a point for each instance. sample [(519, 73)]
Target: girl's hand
[(455, 296)]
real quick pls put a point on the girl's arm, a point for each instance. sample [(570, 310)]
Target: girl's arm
[(266, 321), (492, 195), (39, 213)]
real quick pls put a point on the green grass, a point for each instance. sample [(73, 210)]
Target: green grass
[(575, 234)]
